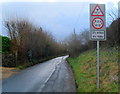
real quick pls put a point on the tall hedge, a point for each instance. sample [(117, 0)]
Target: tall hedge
[(5, 44)]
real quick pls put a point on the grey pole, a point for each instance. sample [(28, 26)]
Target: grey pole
[(98, 65)]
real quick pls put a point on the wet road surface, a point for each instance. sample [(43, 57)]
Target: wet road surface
[(52, 76)]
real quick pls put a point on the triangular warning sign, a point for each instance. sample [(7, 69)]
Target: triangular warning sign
[(97, 11)]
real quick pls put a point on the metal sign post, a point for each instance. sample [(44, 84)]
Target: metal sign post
[(97, 30), (98, 65)]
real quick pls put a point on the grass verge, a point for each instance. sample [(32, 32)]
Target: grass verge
[(85, 70)]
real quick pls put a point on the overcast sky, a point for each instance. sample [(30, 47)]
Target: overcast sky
[(60, 18)]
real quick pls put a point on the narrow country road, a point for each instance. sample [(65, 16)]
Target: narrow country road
[(52, 76)]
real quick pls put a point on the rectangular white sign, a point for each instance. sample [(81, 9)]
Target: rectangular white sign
[(98, 35)]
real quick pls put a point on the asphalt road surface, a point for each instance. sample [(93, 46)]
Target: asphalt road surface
[(52, 76)]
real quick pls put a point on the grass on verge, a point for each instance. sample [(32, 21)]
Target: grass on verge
[(85, 70)]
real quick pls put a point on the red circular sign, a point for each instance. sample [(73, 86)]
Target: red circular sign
[(97, 23)]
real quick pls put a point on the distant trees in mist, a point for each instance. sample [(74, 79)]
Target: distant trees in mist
[(78, 43)]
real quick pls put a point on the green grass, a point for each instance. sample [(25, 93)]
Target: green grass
[(20, 67), (85, 70)]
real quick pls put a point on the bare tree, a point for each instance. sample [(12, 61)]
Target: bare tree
[(30, 40), (113, 12)]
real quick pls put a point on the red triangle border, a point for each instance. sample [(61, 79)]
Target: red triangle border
[(100, 10)]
